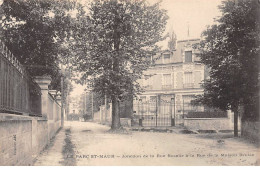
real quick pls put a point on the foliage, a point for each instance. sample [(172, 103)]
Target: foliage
[(230, 49), (87, 117), (73, 117), (36, 31), (115, 40), (115, 43)]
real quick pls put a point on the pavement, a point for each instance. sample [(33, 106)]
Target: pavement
[(90, 144)]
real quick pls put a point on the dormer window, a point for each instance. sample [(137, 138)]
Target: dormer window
[(188, 56)]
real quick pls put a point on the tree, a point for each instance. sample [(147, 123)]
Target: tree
[(230, 49), (114, 45), (35, 32)]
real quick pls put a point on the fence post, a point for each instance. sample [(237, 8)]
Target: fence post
[(43, 82), (58, 98), (173, 119), (140, 110)]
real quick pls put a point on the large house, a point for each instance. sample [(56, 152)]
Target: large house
[(170, 85)]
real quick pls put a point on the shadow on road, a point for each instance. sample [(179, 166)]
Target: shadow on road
[(68, 150)]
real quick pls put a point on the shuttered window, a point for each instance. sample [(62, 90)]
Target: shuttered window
[(188, 77), (188, 56)]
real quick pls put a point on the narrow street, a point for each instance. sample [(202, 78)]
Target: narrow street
[(85, 143)]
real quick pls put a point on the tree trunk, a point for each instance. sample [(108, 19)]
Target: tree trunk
[(115, 101), (236, 122), (115, 114)]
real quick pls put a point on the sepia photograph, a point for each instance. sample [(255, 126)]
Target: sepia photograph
[(129, 82)]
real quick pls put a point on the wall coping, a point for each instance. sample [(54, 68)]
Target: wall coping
[(125, 118), (13, 117), (206, 118), (43, 81)]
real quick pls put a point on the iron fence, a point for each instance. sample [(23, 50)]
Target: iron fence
[(19, 94), (162, 113)]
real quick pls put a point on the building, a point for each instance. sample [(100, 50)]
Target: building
[(170, 85), (74, 105)]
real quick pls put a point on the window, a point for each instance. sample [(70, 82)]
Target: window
[(166, 81), (188, 56), (188, 80), (167, 58)]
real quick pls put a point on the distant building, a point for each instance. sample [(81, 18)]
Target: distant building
[(74, 105), (174, 79)]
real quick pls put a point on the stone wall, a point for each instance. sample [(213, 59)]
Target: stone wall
[(22, 138), (125, 122), (103, 116), (208, 123), (15, 142), (250, 130), (42, 135)]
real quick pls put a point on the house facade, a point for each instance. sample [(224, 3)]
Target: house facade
[(170, 84)]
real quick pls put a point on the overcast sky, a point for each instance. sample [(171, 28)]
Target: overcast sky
[(195, 13), (198, 13)]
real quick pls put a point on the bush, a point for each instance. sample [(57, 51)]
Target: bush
[(73, 117), (87, 117)]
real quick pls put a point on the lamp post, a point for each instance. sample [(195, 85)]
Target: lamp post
[(62, 71)]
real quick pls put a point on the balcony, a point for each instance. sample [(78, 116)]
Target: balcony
[(188, 85)]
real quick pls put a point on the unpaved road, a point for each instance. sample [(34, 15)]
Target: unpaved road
[(85, 143)]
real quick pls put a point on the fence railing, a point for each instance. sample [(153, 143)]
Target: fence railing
[(19, 94), (168, 113)]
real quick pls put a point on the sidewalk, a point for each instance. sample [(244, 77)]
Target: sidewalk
[(53, 154)]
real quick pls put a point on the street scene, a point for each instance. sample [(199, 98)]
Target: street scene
[(89, 143), (129, 83)]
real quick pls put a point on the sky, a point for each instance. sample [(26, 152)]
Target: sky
[(195, 13)]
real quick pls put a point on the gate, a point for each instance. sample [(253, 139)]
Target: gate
[(153, 114)]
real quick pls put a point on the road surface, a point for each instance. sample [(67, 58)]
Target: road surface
[(86, 143)]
